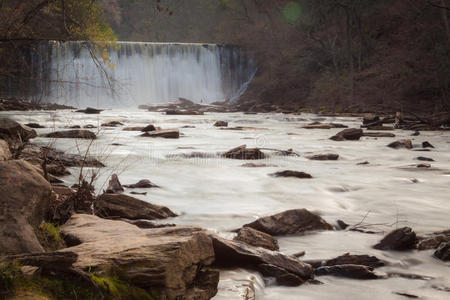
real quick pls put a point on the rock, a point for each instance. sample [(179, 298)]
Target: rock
[(433, 242), (138, 193), (257, 238), (137, 128), (290, 222), (123, 206), (5, 154), (34, 125), (407, 295), (15, 133), (90, 111), (399, 239), (415, 133), (112, 124), (148, 128), (424, 166), (237, 254), (167, 134), (188, 126), (242, 152), (290, 173), (363, 260), (405, 143), (342, 225), (378, 134), (253, 165), (328, 156), (380, 128), (73, 134), (172, 262), (146, 224), (114, 185), (425, 158), (184, 112), (25, 199), (370, 119), (427, 145), (57, 169), (363, 163), (443, 252), (348, 271), (350, 134), (242, 128), (221, 124), (282, 276), (142, 184), (318, 125)]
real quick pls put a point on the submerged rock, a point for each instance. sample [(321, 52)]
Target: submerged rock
[(221, 124), (405, 143), (378, 134), (242, 152), (167, 134), (72, 134), (253, 165), (257, 238), (290, 173), (112, 124), (443, 252), (318, 125), (399, 239), (148, 128), (350, 134), (24, 201), (123, 206), (290, 222), (142, 184), (349, 259), (34, 125), (422, 158), (114, 185), (184, 112), (90, 111), (170, 262), (348, 271), (427, 145), (328, 156)]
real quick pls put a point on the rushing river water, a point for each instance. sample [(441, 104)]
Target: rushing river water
[(221, 195)]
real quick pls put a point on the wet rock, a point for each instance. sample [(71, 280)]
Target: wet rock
[(318, 125), (350, 134), (349, 259), (424, 166), (112, 124), (89, 126), (114, 185), (253, 165), (370, 119), (192, 155), (363, 163), (378, 134), (184, 112), (73, 134), (237, 254), (380, 128), (405, 143), (342, 225), (347, 271), (188, 126), (443, 251), (290, 173), (290, 222), (137, 128), (422, 158), (399, 239), (138, 193), (123, 206), (15, 133), (57, 170), (25, 199), (433, 242), (328, 156), (415, 133), (90, 111), (242, 152), (142, 184), (167, 134), (257, 238), (5, 153), (427, 145), (221, 124), (282, 277), (239, 128), (148, 128), (34, 125), (173, 261), (407, 295)]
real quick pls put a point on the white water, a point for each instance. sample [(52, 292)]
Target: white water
[(221, 195), (140, 73)]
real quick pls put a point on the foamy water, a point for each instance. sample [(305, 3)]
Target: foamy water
[(219, 194)]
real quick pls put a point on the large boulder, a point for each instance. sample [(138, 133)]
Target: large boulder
[(169, 262), (15, 133), (257, 238), (270, 263), (290, 222), (5, 154), (399, 239), (25, 199), (123, 206), (73, 134), (350, 134)]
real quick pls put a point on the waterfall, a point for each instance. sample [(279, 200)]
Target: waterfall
[(141, 73)]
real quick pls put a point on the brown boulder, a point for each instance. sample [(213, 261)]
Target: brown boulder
[(399, 239), (290, 222), (290, 173), (167, 134), (221, 124), (350, 134), (242, 152), (149, 128), (73, 134), (25, 199), (433, 242), (257, 238), (328, 156), (172, 262), (123, 206), (15, 133), (141, 184), (443, 252), (405, 143)]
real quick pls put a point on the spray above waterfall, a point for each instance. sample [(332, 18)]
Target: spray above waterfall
[(143, 73)]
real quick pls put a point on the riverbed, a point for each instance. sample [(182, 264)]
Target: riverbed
[(221, 195)]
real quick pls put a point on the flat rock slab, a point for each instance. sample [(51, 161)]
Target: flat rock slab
[(123, 206), (350, 134), (378, 134), (242, 152), (257, 238), (73, 134), (318, 125), (169, 261), (167, 134), (348, 271), (328, 156), (290, 173), (90, 111), (290, 222)]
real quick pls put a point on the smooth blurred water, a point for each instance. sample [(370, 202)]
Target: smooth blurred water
[(220, 195)]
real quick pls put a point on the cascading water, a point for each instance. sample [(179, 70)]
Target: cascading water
[(141, 73)]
